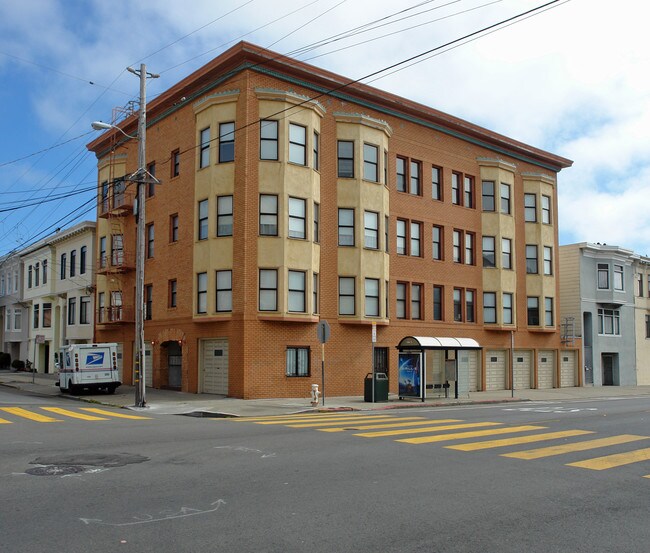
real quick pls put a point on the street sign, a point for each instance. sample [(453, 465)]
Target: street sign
[(374, 332), (323, 331)]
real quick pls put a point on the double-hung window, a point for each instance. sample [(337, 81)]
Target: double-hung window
[(468, 189), (64, 264), (400, 242), (204, 148), (269, 140), (469, 306), (455, 188), (371, 230), (438, 292), (268, 300), (316, 236), (489, 307), (202, 293), (416, 301), (618, 278), (173, 227), (458, 305), (203, 220), (226, 142), (505, 199), (224, 216), (224, 291), (400, 300), (457, 248), (603, 276), (415, 178), (150, 243), (533, 310), (437, 242), (297, 144), (297, 289), (345, 153), (416, 231), (346, 227), (316, 150), (436, 183), (531, 259), (172, 293), (346, 296), (507, 308), (73, 265), (487, 198), (72, 311), (148, 302), (47, 315), (372, 297), (530, 208), (546, 210), (371, 162), (609, 322), (268, 215), (400, 169), (548, 311), (506, 253), (297, 218), (548, 260), (469, 248), (82, 262), (84, 310)]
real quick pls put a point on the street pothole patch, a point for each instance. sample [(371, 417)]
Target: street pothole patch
[(54, 470), (64, 464)]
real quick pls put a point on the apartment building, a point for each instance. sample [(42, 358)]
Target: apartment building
[(13, 311), (597, 294), (57, 289), (290, 196), (642, 318)]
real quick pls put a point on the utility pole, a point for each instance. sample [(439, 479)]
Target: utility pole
[(141, 181)]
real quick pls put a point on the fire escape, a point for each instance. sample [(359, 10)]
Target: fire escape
[(116, 259)]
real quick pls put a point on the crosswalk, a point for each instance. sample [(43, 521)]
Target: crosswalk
[(9, 415), (472, 436)]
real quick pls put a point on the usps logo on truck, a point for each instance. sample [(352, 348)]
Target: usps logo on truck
[(95, 359)]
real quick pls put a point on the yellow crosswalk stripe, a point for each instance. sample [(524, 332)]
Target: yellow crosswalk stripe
[(306, 416), (112, 414), (462, 435), (383, 433), (72, 414), (2, 421), (573, 447), (364, 420), (322, 420), (475, 446), (24, 413), (389, 425), (611, 461)]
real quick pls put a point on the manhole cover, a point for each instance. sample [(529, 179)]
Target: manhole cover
[(54, 470), (91, 459)]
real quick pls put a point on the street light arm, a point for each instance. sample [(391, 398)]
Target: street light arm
[(101, 126)]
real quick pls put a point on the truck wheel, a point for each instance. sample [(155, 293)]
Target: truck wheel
[(72, 389), (110, 389)]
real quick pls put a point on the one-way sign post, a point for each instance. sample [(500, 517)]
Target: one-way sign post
[(323, 333)]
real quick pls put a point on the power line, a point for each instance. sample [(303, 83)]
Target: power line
[(45, 149)]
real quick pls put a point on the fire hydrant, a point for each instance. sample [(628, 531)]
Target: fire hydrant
[(314, 395)]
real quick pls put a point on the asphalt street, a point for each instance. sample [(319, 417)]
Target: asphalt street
[(537, 477)]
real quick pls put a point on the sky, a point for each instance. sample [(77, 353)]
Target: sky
[(573, 79)]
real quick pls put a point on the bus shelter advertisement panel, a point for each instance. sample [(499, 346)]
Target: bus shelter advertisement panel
[(410, 375)]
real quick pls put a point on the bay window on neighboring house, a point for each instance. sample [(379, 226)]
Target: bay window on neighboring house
[(83, 255), (618, 278), (226, 142), (489, 255), (506, 253), (47, 315), (487, 197), (297, 144), (546, 210), (507, 308), (36, 315), (268, 215), (84, 310), (72, 311), (548, 260), (531, 259), (533, 310), (202, 293), (224, 215), (371, 162), (609, 322), (603, 276), (548, 312), (371, 230), (346, 227), (345, 157), (204, 148), (530, 208), (297, 218), (268, 290), (372, 297), (505, 198)]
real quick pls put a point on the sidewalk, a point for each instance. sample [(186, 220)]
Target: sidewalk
[(179, 403)]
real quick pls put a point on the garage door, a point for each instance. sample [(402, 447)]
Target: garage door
[(215, 366), (120, 361), (568, 369), (545, 369), (468, 370), (495, 370), (523, 369)]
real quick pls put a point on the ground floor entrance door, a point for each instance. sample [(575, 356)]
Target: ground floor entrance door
[(607, 361), (174, 365)]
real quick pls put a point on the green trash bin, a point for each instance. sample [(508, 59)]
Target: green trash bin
[(381, 387)]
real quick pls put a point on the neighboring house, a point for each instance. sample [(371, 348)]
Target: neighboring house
[(642, 319), (597, 293), (282, 205), (13, 311), (58, 288)]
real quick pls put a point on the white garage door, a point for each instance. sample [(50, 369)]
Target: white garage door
[(545, 369), (495, 370), (523, 369), (568, 369), (215, 366), (468, 368)]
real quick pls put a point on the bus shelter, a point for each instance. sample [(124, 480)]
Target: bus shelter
[(419, 370)]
